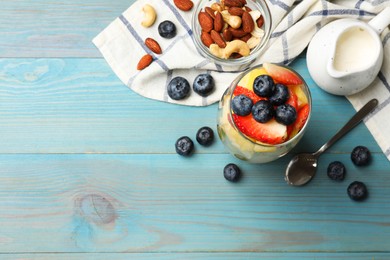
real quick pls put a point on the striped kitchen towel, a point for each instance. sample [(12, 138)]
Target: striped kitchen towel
[(294, 24)]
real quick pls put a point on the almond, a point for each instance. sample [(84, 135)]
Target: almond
[(227, 35), (210, 11), (153, 45), (205, 37), (260, 21), (237, 33), (145, 61), (247, 8), (217, 38), (184, 5), (235, 11), (246, 37), (247, 22), (218, 22), (205, 21), (235, 3), (235, 55)]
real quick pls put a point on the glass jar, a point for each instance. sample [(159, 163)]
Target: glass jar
[(250, 149), (254, 53)]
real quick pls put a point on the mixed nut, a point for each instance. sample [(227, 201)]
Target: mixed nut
[(166, 29), (230, 28)]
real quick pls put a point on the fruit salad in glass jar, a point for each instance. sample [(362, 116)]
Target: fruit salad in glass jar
[(264, 113)]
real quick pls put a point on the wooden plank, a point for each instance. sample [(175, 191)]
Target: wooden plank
[(167, 203), (79, 106), (193, 256), (55, 28)]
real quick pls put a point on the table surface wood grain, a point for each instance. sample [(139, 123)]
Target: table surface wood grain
[(88, 168)]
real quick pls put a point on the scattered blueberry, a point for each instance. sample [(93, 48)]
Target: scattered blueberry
[(205, 136), (336, 171), (263, 111), (167, 29), (178, 88), (231, 172), (263, 86), (184, 146), (360, 155), (357, 191), (280, 95), (203, 84), (285, 114), (242, 105)]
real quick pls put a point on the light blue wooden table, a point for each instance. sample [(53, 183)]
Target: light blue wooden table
[(88, 168)]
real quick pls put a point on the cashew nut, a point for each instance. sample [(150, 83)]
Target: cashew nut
[(255, 14), (235, 46), (216, 7), (253, 42), (149, 15), (233, 20), (257, 32)]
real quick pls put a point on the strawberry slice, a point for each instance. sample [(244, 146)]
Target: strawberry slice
[(282, 75), (270, 133), (293, 99), (238, 90), (302, 99), (302, 116)]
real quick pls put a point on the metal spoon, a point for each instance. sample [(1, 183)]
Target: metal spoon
[(302, 167)]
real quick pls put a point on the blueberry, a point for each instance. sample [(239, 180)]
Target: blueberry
[(263, 86), (231, 172), (242, 105), (360, 155), (205, 136), (184, 146), (203, 84), (336, 171), (178, 88), (263, 111), (357, 191), (285, 114), (280, 95), (167, 29)]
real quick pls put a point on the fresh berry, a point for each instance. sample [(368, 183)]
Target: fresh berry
[(285, 114), (203, 84), (357, 191), (178, 88), (282, 75), (263, 86), (238, 90), (360, 155), (293, 99), (271, 132), (167, 29), (280, 95), (302, 116), (242, 105), (231, 172), (263, 111), (336, 171), (184, 146), (205, 136)]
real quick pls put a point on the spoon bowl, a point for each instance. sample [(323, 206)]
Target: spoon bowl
[(302, 168)]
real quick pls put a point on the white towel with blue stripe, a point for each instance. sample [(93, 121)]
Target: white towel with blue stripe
[(294, 24)]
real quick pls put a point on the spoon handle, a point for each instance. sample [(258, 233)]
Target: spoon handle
[(354, 121)]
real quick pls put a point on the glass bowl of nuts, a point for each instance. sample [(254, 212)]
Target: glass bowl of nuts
[(231, 32)]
